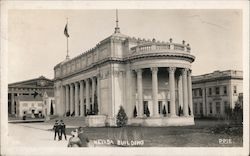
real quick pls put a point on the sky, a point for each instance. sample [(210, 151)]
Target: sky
[(36, 42)]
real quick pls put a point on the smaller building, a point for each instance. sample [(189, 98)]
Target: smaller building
[(213, 93), (29, 105), (31, 97)]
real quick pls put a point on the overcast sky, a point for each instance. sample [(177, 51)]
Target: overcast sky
[(37, 42)]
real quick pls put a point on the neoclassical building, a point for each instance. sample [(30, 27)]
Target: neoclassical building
[(25, 91), (143, 76), (214, 92)]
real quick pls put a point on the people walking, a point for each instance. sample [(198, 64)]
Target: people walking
[(56, 128), (63, 130), (84, 139)]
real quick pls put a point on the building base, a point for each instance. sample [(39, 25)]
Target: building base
[(162, 121), (102, 120)]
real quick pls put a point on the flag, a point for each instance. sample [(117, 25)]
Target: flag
[(66, 30)]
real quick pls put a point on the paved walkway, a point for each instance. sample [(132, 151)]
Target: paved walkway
[(33, 135)]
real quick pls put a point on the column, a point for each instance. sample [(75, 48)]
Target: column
[(140, 92), (155, 90), (190, 98), (87, 93), (81, 99), (67, 98), (180, 93), (63, 97), (71, 99), (171, 71), (204, 101), (185, 94), (12, 103), (76, 99), (93, 93), (99, 93)]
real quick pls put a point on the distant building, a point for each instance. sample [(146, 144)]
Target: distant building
[(214, 92), (22, 94)]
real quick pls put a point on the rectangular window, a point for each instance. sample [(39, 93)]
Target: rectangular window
[(200, 92), (201, 108), (226, 106), (210, 91), (211, 108), (195, 93), (25, 105), (225, 90), (218, 107), (235, 89), (160, 107), (195, 108), (217, 90)]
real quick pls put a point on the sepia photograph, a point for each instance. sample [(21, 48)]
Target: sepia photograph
[(152, 78)]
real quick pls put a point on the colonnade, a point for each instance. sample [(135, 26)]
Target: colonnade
[(80, 96), (184, 90)]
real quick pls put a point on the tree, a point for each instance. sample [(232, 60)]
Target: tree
[(180, 111), (147, 112), (135, 112), (121, 118), (164, 112)]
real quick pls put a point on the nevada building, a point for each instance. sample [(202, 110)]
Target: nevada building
[(213, 93), (151, 80)]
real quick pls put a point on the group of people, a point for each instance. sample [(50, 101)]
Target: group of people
[(77, 139), (60, 129)]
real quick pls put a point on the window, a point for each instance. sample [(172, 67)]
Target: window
[(40, 104), (25, 104), (211, 108), (225, 90), (160, 107), (200, 92), (195, 93), (226, 106), (218, 107), (210, 91), (201, 108), (195, 108), (235, 89), (217, 90)]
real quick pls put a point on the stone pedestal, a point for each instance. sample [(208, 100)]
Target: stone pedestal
[(95, 120)]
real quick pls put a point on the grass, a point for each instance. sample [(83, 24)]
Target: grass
[(205, 133)]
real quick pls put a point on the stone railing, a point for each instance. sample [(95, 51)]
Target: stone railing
[(152, 47)]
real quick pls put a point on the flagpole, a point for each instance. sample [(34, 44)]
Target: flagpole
[(67, 56)]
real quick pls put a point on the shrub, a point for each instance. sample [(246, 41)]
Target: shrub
[(147, 112), (135, 112), (121, 119), (164, 112)]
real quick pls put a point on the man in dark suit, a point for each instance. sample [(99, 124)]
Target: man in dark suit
[(63, 130), (84, 139), (56, 128)]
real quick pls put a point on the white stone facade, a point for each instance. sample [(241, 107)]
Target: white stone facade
[(128, 72), (213, 92)]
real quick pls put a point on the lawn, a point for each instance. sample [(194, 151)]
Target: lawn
[(205, 133)]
